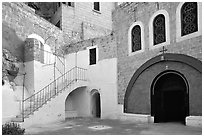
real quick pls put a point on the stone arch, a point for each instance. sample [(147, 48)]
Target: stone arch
[(35, 36), (77, 103), (94, 90), (170, 97), (33, 41), (164, 62)]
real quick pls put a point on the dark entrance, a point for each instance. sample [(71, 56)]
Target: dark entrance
[(96, 103), (169, 98)]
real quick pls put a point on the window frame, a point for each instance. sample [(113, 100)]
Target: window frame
[(178, 23), (151, 29), (67, 4), (155, 27), (99, 7), (139, 23), (71, 4), (89, 48)]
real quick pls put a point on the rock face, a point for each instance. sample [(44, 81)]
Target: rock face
[(9, 65), (43, 9)]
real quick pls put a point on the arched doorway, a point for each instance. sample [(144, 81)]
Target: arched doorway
[(96, 105), (139, 97), (77, 103), (169, 97)]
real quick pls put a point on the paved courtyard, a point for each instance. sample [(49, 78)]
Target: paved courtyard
[(94, 126)]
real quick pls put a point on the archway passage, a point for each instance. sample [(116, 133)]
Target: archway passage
[(77, 103), (169, 98), (96, 103)]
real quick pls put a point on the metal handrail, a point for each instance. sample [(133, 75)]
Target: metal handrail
[(59, 70), (45, 94), (50, 83), (60, 60)]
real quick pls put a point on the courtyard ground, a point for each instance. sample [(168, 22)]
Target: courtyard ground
[(94, 126)]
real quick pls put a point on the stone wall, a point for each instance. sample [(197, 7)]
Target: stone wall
[(139, 102), (19, 21), (33, 50), (83, 12), (123, 17), (106, 46), (82, 22), (10, 68)]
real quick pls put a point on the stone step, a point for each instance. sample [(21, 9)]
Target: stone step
[(17, 120), (37, 102), (21, 116)]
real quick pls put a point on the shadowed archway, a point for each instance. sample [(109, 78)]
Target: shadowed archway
[(76, 103), (169, 97), (96, 105)]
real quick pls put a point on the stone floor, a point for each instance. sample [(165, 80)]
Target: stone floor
[(94, 126)]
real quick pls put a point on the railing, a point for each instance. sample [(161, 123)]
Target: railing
[(54, 59), (40, 98)]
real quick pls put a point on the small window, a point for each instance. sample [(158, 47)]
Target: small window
[(136, 38), (92, 56), (189, 18), (71, 4), (97, 6), (58, 4), (159, 29), (159, 33)]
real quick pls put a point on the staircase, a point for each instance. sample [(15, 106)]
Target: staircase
[(39, 99)]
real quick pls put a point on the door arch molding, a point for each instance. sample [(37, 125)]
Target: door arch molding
[(173, 57), (167, 72), (160, 116)]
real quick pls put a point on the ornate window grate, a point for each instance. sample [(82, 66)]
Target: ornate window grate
[(136, 38), (189, 18), (159, 32)]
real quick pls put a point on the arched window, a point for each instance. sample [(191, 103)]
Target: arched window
[(189, 18), (136, 38), (159, 33), (159, 29)]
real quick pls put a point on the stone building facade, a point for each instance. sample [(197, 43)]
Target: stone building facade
[(77, 25), (87, 24), (37, 50), (135, 53), (137, 70)]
